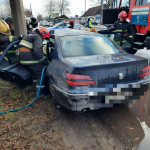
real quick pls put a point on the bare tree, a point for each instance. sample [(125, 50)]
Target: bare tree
[(63, 6), (50, 7), (39, 17), (46, 18), (3, 13), (106, 3), (7, 7), (27, 12)]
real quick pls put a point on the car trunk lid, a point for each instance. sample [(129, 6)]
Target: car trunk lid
[(105, 69)]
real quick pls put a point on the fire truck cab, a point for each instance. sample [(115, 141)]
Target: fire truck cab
[(138, 13)]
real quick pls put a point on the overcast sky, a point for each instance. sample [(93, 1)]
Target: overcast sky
[(38, 6), (77, 7)]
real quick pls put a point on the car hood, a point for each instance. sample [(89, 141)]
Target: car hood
[(96, 60)]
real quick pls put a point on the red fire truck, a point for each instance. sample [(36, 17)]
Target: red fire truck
[(138, 12)]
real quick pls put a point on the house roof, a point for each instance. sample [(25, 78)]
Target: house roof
[(62, 16), (92, 11)]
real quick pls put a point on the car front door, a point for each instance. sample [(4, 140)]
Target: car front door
[(119, 39), (10, 69)]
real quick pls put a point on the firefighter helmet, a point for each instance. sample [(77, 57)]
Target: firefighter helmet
[(31, 23), (9, 20), (4, 28), (71, 21), (123, 14), (44, 32)]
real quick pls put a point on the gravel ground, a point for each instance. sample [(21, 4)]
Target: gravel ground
[(41, 126)]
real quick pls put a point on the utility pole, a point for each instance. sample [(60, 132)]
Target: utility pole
[(85, 9), (18, 17), (101, 11), (31, 10)]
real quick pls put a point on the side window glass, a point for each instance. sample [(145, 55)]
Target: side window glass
[(119, 40), (51, 46), (115, 38), (125, 43), (10, 57)]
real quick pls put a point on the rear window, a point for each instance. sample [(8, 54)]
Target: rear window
[(88, 45)]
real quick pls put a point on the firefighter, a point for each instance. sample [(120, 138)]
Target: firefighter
[(5, 39), (123, 26), (5, 35), (71, 22), (88, 24), (32, 57), (9, 21), (31, 23)]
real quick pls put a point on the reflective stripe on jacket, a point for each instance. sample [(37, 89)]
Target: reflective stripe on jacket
[(30, 62), (7, 38)]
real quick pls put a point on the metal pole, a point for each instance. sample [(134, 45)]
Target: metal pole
[(31, 10), (85, 9), (101, 11), (18, 17)]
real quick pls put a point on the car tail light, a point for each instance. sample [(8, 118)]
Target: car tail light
[(145, 71), (79, 80)]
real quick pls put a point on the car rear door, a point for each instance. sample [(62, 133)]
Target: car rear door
[(10, 69), (120, 40)]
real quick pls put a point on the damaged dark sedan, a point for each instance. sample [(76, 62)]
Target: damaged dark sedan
[(86, 71)]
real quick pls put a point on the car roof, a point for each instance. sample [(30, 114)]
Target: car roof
[(65, 32)]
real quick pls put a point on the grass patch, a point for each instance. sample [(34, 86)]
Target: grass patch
[(18, 129)]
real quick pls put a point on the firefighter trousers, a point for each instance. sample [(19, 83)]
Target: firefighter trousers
[(36, 71)]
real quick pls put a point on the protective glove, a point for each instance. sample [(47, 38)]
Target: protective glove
[(111, 29), (20, 37), (45, 62)]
